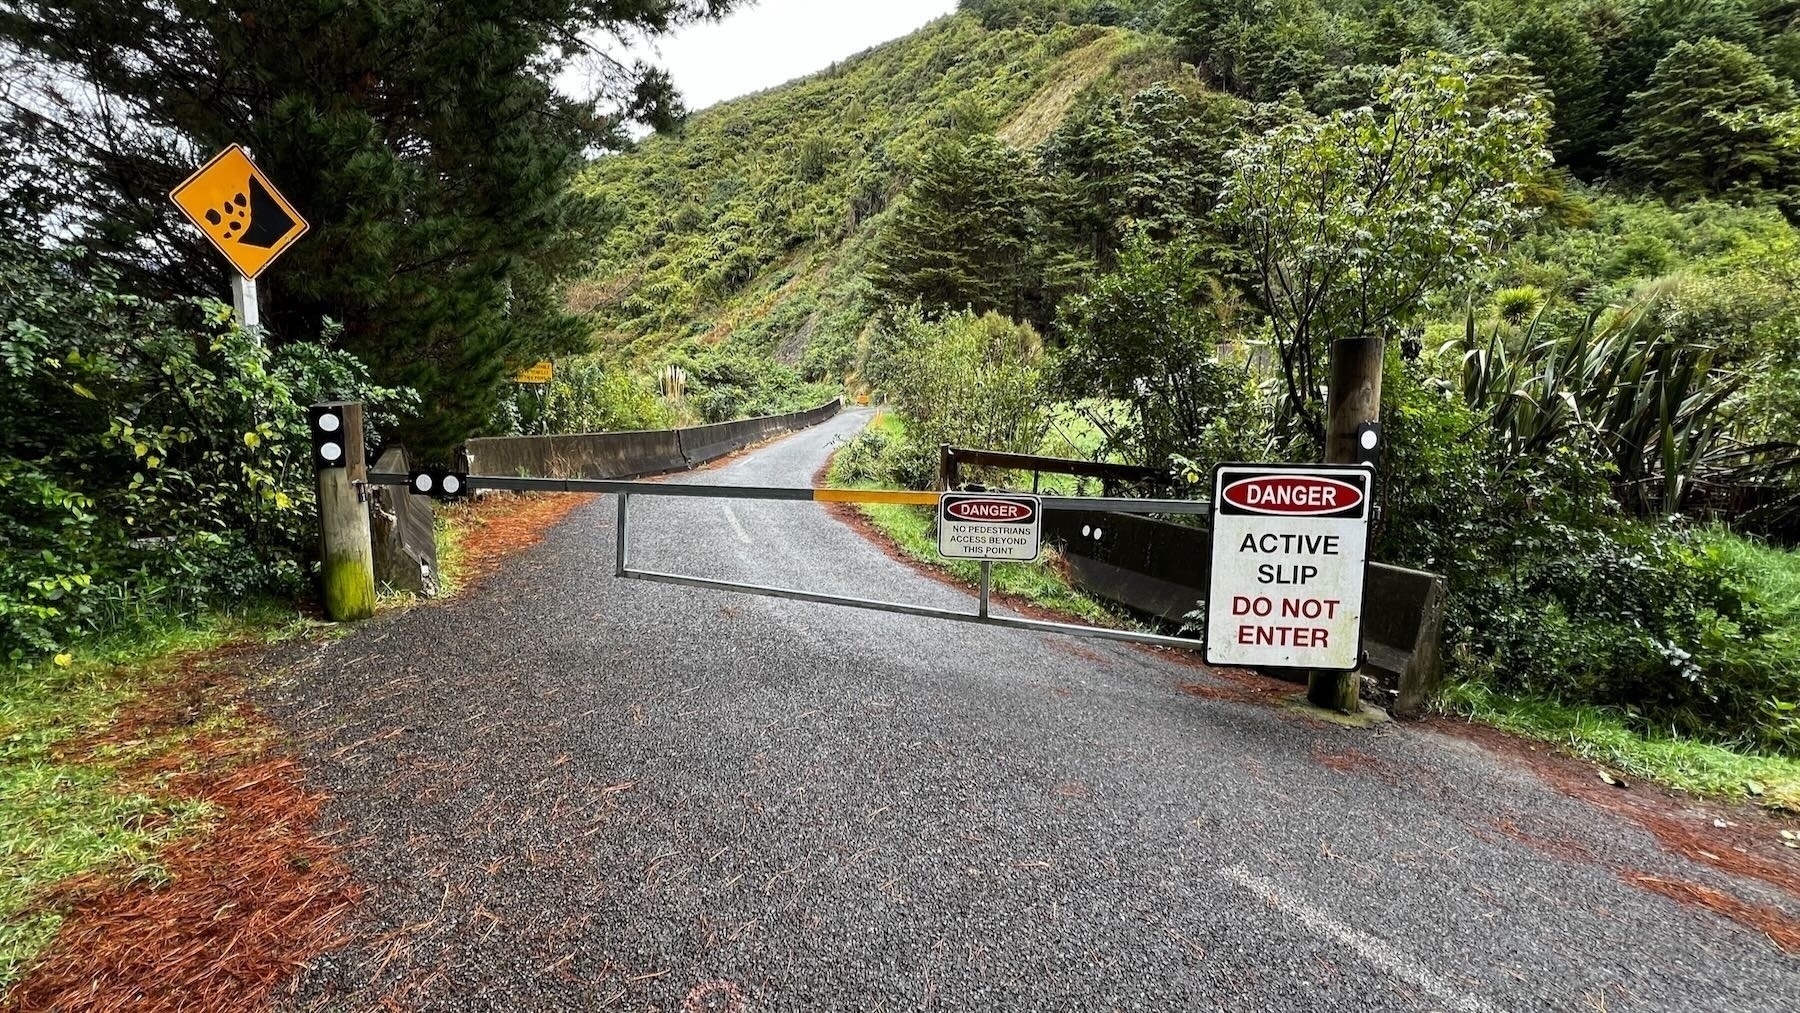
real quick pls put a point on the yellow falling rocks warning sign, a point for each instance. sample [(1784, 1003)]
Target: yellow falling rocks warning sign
[(237, 207)]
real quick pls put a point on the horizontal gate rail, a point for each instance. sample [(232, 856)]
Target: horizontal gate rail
[(625, 490), (1114, 504)]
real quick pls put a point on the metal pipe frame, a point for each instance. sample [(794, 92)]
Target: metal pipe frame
[(625, 489), (980, 617)]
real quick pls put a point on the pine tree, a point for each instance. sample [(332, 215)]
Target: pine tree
[(1708, 123), (974, 231), (1634, 36), (425, 141), (1568, 62)]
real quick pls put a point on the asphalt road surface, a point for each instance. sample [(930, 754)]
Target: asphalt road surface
[(571, 792)]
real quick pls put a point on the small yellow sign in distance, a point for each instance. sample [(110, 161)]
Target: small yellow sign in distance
[(543, 372), (236, 206)]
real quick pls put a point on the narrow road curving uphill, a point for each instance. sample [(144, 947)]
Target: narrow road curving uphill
[(570, 792)]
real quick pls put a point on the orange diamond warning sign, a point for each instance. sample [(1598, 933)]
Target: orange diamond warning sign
[(237, 207)]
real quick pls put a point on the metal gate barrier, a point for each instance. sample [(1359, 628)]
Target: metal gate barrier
[(625, 490)]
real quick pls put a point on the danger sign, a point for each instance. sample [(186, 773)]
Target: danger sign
[(1290, 549), (991, 526)]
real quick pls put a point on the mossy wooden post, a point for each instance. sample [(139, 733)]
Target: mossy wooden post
[(1353, 399), (346, 549)]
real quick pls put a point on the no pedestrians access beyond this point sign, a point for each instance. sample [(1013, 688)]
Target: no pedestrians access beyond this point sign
[(996, 527), (1290, 550), (237, 208)]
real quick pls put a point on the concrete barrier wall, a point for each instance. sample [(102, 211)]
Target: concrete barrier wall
[(632, 454), (1163, 569)]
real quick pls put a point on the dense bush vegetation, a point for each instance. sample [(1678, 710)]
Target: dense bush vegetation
[(764, 209), (967, 380), (584, 396), (1556, 593), (154, 458)]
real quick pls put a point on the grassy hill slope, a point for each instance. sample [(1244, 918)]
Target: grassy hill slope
[(752, 227)]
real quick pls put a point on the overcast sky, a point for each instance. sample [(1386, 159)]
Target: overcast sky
[(774, 41)]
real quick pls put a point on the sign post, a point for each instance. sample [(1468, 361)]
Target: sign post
[(346, 551), (1353, 406), (1290, 552), (987, 527), (243, 302), (537, 375)]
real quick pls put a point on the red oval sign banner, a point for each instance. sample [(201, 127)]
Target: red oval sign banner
[(991, 511), (1293, 495)]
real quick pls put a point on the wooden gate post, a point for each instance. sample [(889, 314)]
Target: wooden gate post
[(1353, 399), (346, 549)]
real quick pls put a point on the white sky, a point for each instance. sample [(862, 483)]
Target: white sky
[(775, 41)]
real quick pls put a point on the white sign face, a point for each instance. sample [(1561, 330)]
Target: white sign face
[(1290, 547), (997, 527)]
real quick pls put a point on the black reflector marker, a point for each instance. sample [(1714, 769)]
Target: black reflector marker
[(438, 484), (327, 436), (1368, 443)]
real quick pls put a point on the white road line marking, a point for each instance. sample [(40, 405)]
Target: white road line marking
[(1377, 953), (743, 536)]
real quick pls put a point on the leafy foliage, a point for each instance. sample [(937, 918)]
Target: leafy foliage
[(1152, 163), (1656, 406), (725, 385), (756, 226), (968, 380), (585, 396), (1147, 335), (1555, 595), (974, 231), (1568, 61), (153, 457), (1353, 220)]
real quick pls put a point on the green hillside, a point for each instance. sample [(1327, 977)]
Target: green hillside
[(753, 226), (1135, 230)]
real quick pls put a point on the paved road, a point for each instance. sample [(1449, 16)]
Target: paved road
[(571, 792)]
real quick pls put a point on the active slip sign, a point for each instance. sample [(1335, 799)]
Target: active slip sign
[(997, 527), (1290, 549)]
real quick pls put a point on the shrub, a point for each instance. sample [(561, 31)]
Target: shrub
[(585, 396), (968, 380), (153, 456), (1554, 593), (726, 383), (1147, 336)]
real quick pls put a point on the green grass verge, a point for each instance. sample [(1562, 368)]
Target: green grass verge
[(62, 817), (1602, 736), (914, 531), (1770, 578)]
